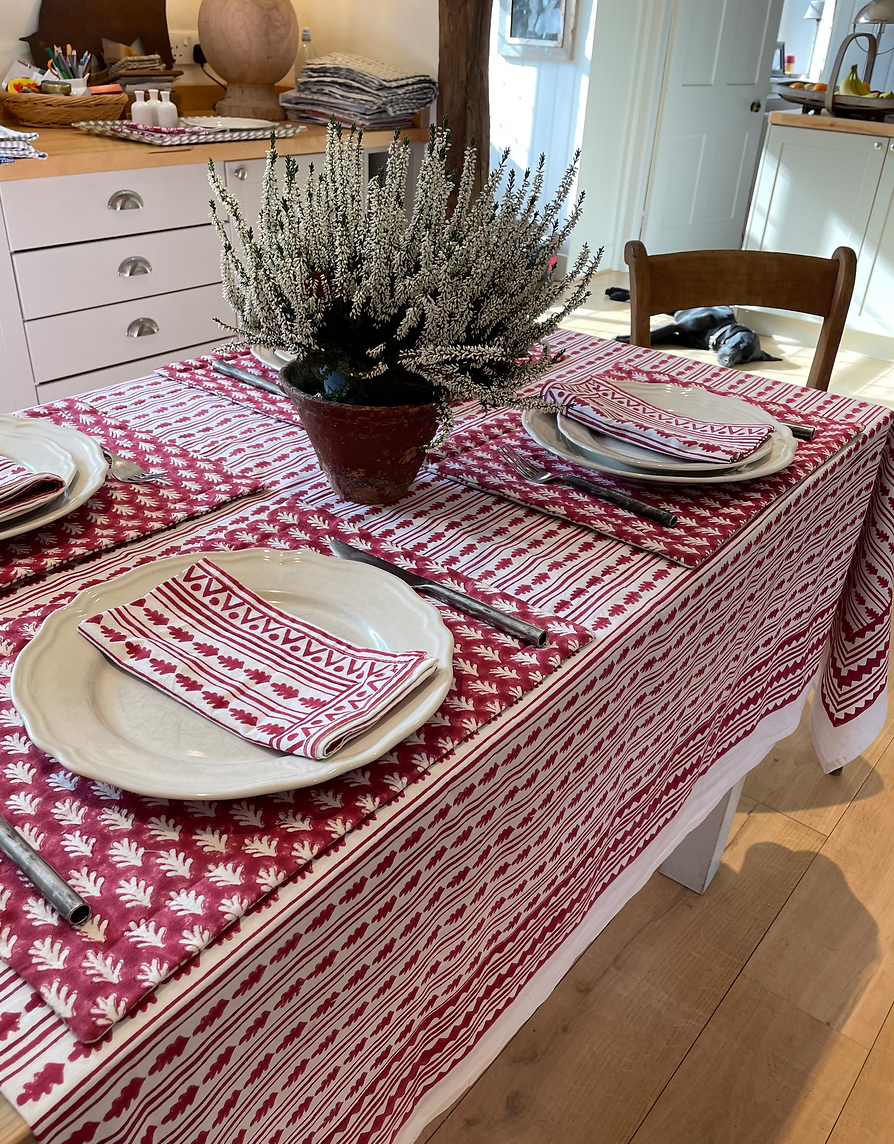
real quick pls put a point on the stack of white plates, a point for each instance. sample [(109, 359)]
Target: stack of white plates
[(47, 448), (577, 443), (276, 359)]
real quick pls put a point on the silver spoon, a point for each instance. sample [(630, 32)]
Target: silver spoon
[(129, 471)]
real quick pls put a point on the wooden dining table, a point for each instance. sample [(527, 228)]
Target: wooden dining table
[(338, 963)]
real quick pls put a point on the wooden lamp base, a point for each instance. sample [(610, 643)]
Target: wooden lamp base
[(250, 101), (251, 44)]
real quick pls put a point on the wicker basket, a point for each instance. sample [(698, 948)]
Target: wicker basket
[(36, 110)]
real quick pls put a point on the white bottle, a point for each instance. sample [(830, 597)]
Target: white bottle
[(306, 52), (140, 112), (167, 111), (153, 103)]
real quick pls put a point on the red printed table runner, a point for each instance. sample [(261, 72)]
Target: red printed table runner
[(198, 372), (119, 513), (164, 878), (707, 515), (595, 401)]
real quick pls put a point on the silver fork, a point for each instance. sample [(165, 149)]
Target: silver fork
[(531, 472), (129, 471)]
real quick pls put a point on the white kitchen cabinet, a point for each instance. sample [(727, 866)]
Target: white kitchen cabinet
[(873, 304), (815, 190)]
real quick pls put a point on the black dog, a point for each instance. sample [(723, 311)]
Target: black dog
[(705, 328)]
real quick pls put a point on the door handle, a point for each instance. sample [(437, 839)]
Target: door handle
[(136, 265), (142, 327), (125, 201), (241, 173), (756, 106)]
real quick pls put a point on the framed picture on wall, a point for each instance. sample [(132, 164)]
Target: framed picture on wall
[(536, 29)]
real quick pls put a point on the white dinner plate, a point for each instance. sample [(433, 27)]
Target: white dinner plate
[(541, 425), (35, 451), (91, 471), (225, 122), (598, 446), (104, 723), (275, 359)]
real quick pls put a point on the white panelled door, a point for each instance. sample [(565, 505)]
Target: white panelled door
[(709, 123)]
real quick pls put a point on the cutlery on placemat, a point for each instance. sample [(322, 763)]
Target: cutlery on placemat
[(800, 432), (521, 630), (129, 471), (53, 886), (244, 375), (531, 472)]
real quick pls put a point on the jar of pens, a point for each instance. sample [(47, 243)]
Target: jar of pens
[(60, 94)]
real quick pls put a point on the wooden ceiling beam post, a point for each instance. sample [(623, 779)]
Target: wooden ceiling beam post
[(464, 46)]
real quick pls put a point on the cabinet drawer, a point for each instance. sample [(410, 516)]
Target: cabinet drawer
[(91, 274), (91, 339), (116, 374), (76, 208)]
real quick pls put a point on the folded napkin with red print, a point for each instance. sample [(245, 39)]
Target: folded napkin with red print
[(23, 489), (211, 643), (599, 404)]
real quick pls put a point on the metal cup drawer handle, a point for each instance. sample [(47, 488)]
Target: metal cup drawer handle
[(142, 327), (136, 265), (125, 201)]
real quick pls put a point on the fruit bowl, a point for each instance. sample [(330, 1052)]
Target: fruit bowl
[(843, 106)]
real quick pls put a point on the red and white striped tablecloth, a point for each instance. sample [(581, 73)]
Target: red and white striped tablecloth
[(359, 998)]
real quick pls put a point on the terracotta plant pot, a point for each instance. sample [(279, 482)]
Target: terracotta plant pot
[(370, 453)]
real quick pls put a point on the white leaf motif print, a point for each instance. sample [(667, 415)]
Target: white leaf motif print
[(63, 780), (20, 772), (135, 892), (327, 798), (146, 933), (228, 875), (69, 813), (211, 840), (154, 972), (174, 864), (125, 852), (22, 803), (7, 941), (4, 898), (115, 819), (41, 912), (102, 967), (94, 928), (187, 902), (269, 877), (31, 835), (48, 954), (302, 851), (105, 791), (247, 814), (235, 907), (200, 807), (17, 744), (78, 843), (264, 847), (164, 828), (87, 882), (195, 939), (294, 821), (108, 1010), (60, 998)]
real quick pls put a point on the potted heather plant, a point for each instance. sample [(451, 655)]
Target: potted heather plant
[(394, 315)]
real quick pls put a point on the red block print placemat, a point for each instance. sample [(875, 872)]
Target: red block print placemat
[(198, 372), (707, 515), (119, 513), (164, 878)]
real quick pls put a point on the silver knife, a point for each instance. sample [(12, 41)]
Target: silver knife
[(528, 633), (249, 378)]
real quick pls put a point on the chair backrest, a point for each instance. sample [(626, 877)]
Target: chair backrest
[(663, 283)]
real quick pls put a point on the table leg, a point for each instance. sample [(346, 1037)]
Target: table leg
[(694, 862)]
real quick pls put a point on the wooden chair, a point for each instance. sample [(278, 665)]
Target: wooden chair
[(663, 283)]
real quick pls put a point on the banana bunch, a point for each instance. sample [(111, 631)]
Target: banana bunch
[(853, 85)]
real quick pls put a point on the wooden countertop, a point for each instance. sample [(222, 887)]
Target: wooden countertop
[(73, 152), (825, 122)]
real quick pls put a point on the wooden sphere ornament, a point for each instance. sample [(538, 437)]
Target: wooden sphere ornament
[(251, 44)]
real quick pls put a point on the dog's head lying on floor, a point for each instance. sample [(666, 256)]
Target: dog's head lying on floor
[(708, 328)]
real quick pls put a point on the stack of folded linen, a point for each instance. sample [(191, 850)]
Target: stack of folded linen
[(17, 145), (357, 90)]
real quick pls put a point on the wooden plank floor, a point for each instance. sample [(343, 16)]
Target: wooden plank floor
[(759, 1013)]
